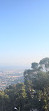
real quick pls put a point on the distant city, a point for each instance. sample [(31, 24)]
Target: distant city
[(10, 77)]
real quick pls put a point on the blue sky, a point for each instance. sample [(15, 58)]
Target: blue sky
[(24, 31)]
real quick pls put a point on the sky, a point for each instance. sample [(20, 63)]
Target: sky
[(24, 31)]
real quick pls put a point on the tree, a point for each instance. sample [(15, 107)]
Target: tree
[(34, 65), (44, 61)]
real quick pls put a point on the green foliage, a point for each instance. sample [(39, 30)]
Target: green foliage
[(33, 93), (17, 96), (44, 61), (41, 81), (34, 65), (4, 101), (38, 81)]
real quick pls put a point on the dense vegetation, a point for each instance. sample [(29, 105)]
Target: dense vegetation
[(33, 93)]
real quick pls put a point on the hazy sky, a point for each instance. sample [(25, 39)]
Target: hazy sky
[(24, 31)]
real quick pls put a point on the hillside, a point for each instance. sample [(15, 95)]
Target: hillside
[(30, 95)]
